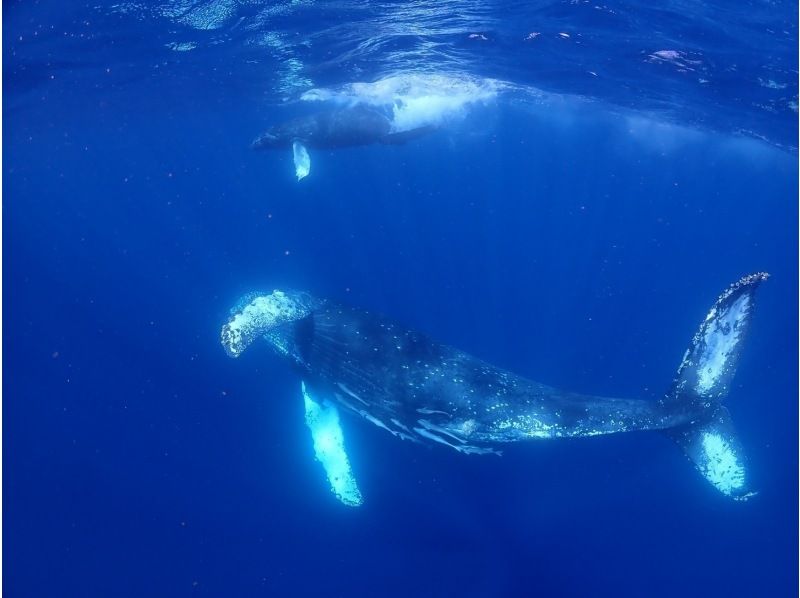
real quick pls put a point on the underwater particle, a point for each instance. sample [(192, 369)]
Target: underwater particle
[(770, 84)]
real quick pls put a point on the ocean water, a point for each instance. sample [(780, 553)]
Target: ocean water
[(596, 175)]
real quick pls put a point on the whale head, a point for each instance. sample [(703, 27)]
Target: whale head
[(268, 140), (283, 135), (256, 314)]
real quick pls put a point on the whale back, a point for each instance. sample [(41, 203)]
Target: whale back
[(383, 370)]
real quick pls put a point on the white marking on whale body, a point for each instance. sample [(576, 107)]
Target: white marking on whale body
[(426, 411), (467, 427), (399, 424), (415, 100), (372, 419), (467, 449), (351, 393), (720, 339), (434, 428), (302, 161), (323, 421), (721, 465), (528, 425), (424, 433)]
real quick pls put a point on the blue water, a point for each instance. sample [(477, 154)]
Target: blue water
[(572, 222)]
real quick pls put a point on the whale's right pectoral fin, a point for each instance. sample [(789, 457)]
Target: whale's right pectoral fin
[(322, 418), (302, 161)]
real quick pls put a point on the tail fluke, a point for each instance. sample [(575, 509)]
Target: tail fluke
[(702, 383)]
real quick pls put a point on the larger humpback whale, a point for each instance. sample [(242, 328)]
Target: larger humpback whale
[(337, 128), (427, 392)]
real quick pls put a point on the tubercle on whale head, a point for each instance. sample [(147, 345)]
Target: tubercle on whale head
[(256, 314)]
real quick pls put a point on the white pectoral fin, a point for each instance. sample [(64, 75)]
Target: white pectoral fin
[(322, 418), (302, 161)]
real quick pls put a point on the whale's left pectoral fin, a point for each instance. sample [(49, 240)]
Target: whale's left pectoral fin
[(302, 161), (322, 418)]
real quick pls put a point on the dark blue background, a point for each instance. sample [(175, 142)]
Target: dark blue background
[(574, 246)]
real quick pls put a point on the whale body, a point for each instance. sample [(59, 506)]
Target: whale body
[(424, 391), (333, 129)]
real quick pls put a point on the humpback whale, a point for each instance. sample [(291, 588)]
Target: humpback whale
[(332, 129), (420, 390)]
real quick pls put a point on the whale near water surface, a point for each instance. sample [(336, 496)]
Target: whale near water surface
[(334, 129), (389, 111)]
